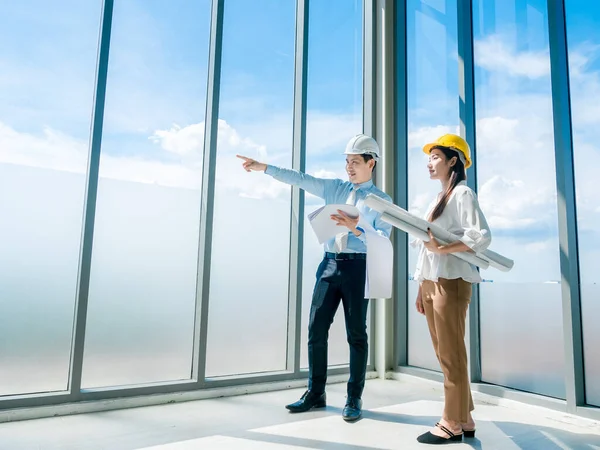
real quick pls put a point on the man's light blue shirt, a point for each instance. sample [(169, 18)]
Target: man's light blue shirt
[(336, 191)]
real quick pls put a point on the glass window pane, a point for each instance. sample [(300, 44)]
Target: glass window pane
[(47, 71), (521, 310), (144, 265), (247, 328), (583, 20), (432, 111), (334, 115)]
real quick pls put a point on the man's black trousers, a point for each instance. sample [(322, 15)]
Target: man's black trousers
[(339, 280)]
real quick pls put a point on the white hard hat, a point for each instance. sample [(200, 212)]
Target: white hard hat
[(361, 144)]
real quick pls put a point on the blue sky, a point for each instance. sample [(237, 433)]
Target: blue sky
[(153, 135), (513, 95), (516, 173), (174, 30), (155, 110), (157, 85)]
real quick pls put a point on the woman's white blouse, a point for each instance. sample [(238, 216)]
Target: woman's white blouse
[(463, 217)]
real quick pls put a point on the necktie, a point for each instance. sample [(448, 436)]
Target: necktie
[(341, 239)]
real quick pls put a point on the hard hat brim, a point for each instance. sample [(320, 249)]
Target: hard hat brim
[(373, 154), (428, 147)]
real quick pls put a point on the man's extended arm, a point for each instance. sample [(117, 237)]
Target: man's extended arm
[(313, 185)]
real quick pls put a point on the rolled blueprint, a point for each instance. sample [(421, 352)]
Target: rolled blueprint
[(419, 234), (418, 227)]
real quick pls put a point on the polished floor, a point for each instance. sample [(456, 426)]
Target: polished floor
[(395, 413)]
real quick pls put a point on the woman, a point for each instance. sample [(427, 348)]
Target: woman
[(445, 281)]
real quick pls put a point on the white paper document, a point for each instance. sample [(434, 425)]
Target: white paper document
[(324, 226), (380, 264), (380, 253)]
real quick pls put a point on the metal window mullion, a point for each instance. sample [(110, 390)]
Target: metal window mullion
[(400, 195), (386, 134), (567, 211), (297, 195), (467, 114), (89, 215), (369, 113), (211, 122), (369, 66)]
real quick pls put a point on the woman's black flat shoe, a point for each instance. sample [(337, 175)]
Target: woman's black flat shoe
[(430, 438)]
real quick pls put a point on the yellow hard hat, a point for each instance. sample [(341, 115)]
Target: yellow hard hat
[(455, 142)]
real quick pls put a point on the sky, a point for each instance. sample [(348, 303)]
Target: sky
[(515, 174), (154, 131)]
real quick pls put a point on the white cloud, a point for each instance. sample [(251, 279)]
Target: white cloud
[(420, 136), (512, 204), (326, 174), (538, 247), (515, 146), (189, 141), (151, 172), (181, 141), (516, 173), (585, 92), (499, 133), (494, 54), (580, 58), (55, 150), (420, 203), (181, 163), (185, 142), (51, 149)]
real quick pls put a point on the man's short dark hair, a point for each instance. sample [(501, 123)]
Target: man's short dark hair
[(368, 158)]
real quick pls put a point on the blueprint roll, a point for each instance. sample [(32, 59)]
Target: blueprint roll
[(405, 226), (399, 223), (383, 206), (496, 260), (418, 227)]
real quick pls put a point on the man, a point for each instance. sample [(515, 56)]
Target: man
[(342, 273)]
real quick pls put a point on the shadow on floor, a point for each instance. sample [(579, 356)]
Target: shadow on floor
[(491, 435), (525, 436), (547, 438)]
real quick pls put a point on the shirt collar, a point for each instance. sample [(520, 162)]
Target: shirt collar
[(365, 185)]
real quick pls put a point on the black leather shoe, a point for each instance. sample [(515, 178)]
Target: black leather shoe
[(352, 410), (308, 401)]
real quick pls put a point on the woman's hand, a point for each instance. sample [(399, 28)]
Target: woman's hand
[(419, 303), (432, 245)]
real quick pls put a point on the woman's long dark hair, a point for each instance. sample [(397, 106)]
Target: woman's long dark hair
[(457, 175)]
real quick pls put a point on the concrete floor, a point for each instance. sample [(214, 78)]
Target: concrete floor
[(395, 413)]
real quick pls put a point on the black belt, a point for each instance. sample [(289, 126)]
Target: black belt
[(345, 256)]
